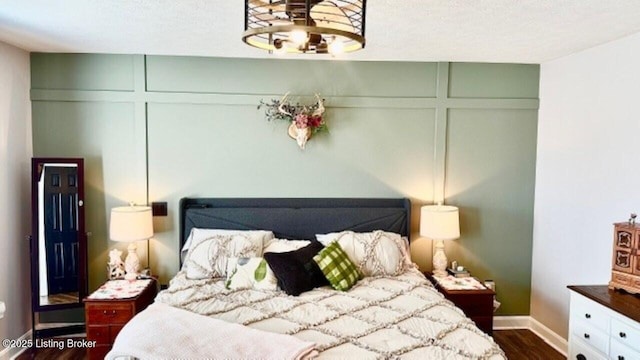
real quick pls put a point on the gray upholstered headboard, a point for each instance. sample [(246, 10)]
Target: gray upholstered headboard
[(297, 218)]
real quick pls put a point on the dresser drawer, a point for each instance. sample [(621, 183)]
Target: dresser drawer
[(99, 334), (592, 336), (622, 279), (581, 351), (622, 352), (625, 334), (109, 313), (590, 312)]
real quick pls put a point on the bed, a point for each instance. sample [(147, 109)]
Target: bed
[(385, 314)]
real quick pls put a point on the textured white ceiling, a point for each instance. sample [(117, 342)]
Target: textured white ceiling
[(521, 31)]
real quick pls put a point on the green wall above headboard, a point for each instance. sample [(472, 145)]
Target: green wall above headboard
[(158, 128)]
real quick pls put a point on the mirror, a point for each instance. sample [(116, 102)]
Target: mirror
[(58, 239)]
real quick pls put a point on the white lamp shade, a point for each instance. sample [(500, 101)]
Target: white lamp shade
[(131, 223), (439, 222)]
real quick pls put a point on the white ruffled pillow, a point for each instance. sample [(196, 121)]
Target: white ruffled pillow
[(198, 234), (208, 256), (406, 250), (247, 273), (284, 245), (374, 253)]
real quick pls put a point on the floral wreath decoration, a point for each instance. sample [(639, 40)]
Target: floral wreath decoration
[(304, 120)]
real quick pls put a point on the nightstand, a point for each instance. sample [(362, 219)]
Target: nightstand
[(110, 307), (476, 304)]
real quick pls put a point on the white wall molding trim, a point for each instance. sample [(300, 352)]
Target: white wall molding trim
[(550, 337), (527, 322), (511, 322), (12, 353)]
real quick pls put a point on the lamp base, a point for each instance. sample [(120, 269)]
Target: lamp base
[(131, 263), (130, 276), (440, 260)]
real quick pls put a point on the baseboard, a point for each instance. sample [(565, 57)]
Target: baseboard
[(12, 353), (527, 322), (511, 322), (550, 337)]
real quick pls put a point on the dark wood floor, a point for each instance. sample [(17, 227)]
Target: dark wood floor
[(517, 344), (64, 298), (525, 345)]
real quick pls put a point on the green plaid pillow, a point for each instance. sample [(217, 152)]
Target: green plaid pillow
[(337, 267)]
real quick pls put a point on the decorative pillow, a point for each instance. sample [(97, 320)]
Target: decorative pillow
[(295, 270), (197, 235), (246, 273), (406, 254), (208, 257), (374, 253), (337, 267), (284, 245)]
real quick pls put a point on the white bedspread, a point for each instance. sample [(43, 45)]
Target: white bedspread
[(381, 317), (165, 332)]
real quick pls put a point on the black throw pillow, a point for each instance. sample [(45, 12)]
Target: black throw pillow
[(296, 271)]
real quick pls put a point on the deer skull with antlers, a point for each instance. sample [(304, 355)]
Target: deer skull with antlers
[(305, 120)]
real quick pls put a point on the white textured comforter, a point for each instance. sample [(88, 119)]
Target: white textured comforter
[(380, 317), (193, 336)]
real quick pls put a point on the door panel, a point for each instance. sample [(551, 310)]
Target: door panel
[(61, 233)]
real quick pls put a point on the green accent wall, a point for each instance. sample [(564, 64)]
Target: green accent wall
[(158, 128)]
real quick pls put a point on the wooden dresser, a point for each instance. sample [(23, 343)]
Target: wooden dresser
[(106, 317), (603, 324)]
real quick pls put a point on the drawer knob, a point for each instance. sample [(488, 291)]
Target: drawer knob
[(587, 315), (623, 334), (586, 336), (581, 357)]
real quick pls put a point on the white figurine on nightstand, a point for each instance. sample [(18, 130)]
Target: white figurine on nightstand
[(115, 265)]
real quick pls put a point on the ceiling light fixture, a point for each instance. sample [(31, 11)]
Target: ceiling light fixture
[(305, 26)]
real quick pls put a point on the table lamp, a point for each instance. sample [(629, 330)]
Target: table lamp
[(131, 224), (439, 223)]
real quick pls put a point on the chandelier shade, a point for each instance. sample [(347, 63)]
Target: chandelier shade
[(305, 26)]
